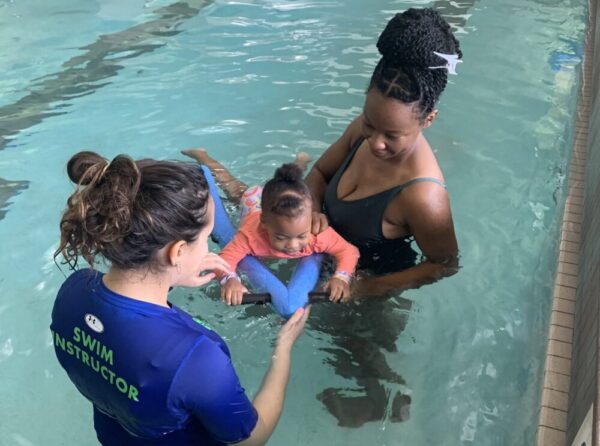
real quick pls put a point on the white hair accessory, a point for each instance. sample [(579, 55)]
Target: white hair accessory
[(451, 61)]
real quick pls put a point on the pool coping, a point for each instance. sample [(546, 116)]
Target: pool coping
[(554, 401)]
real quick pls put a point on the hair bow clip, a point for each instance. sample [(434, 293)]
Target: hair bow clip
[(451, 61)]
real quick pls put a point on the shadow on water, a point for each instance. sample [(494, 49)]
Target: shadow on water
[(360, 334), (84, 74)]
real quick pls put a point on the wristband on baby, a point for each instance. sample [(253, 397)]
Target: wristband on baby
[(229, 276), (343, 275)]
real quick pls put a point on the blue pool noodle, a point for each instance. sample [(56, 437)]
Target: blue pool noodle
[(285, 300)]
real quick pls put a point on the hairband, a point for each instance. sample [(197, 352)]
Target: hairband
[(451, 61)]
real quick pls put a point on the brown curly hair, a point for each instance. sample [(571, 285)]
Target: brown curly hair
[(126, 210)]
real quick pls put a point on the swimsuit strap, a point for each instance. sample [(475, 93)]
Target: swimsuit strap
[(353, 149), (419, 180)]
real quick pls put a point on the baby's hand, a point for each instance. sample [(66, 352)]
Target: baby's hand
[(233, 291), (339, 289)]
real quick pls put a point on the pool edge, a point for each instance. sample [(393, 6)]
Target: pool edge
[(569, 371)]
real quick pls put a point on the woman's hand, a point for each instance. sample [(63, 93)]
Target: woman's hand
[(339, 289), (233, 291), (292, 329), (210, 262), (319, 222)]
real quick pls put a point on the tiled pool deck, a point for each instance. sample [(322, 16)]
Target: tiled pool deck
[(570, 380)]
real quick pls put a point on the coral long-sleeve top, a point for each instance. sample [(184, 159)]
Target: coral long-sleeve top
[(252, 240)]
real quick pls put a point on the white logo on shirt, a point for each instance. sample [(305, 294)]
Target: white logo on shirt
[(94, 323)]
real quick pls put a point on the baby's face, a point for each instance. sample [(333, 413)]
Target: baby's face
[(289, 235)]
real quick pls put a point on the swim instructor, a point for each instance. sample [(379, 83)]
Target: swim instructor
[(153, 373)]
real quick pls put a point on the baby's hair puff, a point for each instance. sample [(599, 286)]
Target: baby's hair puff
[(286, 194)]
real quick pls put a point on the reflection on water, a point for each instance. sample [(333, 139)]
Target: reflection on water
[(82, 75), (455, 12), (7, 190)]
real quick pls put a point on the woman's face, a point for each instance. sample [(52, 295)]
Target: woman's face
[(391, 127)]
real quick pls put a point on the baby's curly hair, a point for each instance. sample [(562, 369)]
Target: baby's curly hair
[(286, 194), (407, 46)]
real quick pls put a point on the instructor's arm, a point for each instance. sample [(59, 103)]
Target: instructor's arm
[(268, 402)]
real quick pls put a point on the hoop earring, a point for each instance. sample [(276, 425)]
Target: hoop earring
[(178, 267)]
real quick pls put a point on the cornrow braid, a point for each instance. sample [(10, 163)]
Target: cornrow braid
[(407, 45)]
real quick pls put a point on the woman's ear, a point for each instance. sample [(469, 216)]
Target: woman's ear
[(175, 252), (429, 119)]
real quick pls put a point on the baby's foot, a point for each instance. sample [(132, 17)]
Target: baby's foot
[(198, 154), (302, 160)]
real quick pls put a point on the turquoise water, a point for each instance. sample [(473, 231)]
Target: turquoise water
[(256, 81)]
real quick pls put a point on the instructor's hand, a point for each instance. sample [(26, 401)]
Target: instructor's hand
[(211, 262), (292, 329)]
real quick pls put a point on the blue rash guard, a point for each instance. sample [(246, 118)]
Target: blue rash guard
[(154, 375)]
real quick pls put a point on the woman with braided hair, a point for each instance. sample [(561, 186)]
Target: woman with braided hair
[(380, 185)]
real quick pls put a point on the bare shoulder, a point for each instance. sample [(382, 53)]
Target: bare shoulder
[(428, 216), (426, 203)]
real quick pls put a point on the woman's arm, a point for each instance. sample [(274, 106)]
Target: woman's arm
[(328, 164), (429, 218), (269, 399)]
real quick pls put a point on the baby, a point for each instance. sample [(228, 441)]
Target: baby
[(276, 223)]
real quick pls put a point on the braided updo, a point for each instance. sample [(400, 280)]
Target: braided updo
[(407, 46)]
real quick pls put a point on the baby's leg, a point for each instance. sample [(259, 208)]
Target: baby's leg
[(233, 187), (302, 160)]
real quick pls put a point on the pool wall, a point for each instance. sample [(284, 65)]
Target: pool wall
[(569, 404)]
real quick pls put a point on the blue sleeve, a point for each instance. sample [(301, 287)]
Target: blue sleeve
[(207, 386)]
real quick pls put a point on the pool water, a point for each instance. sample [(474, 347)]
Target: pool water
[(255, 82)]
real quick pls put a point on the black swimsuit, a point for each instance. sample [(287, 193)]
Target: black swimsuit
[(360, 222)]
